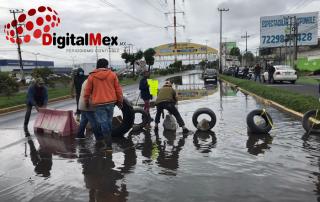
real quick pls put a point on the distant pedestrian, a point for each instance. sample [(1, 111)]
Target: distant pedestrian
[(145, 93), (271, 71), (236, 72), (37, 96), (257, 72), (167, 98), (88, 115), (104, 88), (245, 73), (77, 81)]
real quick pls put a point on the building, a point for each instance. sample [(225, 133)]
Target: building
[(8, 65), (188, 53)]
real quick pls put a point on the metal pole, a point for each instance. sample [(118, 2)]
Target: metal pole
[(175, 25), (18, 43), (109, 56), (206, 50), (220, 46)]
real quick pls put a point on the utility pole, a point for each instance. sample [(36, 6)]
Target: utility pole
[(207, 50), (295, 26), (175, 25), (189, 41), (36, 54), (220, 47), (97, 53), (246, 37), (109, 56), (18, 40)]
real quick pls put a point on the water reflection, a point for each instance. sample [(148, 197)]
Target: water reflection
[(168, 151), (204, 141), (41, 159), (258, 143), (227, 90)]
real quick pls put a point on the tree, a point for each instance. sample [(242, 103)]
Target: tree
[(41, 73), (235, 51), (149, 57), (202, 64), (8, 85), (44, 74), (132, 58), (249, 58)]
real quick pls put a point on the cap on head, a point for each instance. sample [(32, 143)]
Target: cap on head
[(39, 81), (168, 84), (102, 63)]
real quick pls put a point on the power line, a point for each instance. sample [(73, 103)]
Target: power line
[(151, 5), (128, 14)]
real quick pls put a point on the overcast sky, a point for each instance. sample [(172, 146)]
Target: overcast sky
[(142, 22)]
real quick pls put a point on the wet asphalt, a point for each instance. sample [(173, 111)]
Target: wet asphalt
[(226, 164)]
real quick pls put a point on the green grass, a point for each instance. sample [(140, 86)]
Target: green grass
[(20, 98), (307, 80), (294, 101)]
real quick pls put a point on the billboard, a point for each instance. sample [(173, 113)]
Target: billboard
[(183, 49), (275, 29), (227, 46)]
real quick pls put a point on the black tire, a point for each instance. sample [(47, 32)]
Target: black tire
[(127, 120), (307, 125), (145, 119), (259, 129), (208, 111), (293, 82)]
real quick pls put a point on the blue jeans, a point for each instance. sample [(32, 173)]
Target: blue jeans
[(88, 116), (104, 115)]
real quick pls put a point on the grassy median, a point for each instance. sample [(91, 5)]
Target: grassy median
[(294, 101), (20, 98)]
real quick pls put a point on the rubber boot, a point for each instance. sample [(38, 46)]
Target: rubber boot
[(108, 142)]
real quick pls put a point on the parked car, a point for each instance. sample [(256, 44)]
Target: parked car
[(210, 75), (229, 71), (282, 73), (248, 76)]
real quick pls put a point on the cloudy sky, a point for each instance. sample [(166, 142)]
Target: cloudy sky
[(142, 22)]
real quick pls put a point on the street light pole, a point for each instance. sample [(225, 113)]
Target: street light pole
[(207, 50), (36, 54), (220, 46)]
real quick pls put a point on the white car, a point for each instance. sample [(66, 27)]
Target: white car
[(282, 73)]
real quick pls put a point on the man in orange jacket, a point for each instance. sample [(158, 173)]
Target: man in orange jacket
[(105, 91)]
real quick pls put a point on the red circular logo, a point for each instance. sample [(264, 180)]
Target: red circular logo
[(32, 24)]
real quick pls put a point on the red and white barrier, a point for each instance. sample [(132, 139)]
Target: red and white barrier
[(55, 121)]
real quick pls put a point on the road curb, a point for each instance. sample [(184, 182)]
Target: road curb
[(22, 107), (267, 102)]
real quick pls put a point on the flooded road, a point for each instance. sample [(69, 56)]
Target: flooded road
[(223, 165)]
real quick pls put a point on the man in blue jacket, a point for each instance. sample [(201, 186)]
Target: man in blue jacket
[(37, 97), (145, 93)]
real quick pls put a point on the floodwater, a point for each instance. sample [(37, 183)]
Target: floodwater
[(226, 164)]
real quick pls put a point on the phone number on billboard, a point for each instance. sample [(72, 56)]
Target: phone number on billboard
[(281, 38)]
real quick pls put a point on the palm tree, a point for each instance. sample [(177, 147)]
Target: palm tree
[(149, 57)]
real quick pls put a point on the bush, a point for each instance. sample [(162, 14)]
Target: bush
[(8, 85)]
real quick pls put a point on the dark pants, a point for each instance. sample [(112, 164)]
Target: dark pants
[(172, 109), (270, 77), (77, 100), (89, 116), (28, 114), (257, 75)]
